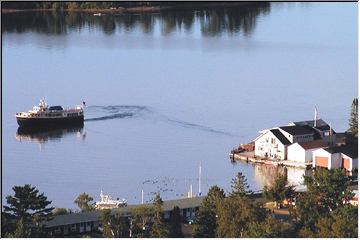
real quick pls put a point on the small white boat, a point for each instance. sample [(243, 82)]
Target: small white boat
[(97, 14)]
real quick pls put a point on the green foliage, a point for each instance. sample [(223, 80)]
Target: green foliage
[(239, 186), (342, 223), (85, 202), (331, 187), (26, 212), (61, 211), (159, 228), (353, 121), (235, 216), (237, 212), (205, 220), (175, 223), (114, 225), (270, 228), (142, 221), (323, 204), (279, 191)]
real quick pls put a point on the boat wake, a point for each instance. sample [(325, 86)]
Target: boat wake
[(101, 113), (113, 112), (197, 126)]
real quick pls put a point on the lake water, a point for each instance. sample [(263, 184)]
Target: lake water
[(168, 91)]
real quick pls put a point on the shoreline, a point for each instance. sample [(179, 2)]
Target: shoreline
[(146, 9)]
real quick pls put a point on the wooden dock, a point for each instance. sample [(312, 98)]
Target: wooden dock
[(250, 157)]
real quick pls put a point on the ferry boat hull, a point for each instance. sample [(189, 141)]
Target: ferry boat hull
[(50, 122)]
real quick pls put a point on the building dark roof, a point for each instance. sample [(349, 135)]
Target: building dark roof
[(280, 136), (310, 123), (313, 144), (350, 150), (298, 130), (320, 124), (73, 218), (126, 211)]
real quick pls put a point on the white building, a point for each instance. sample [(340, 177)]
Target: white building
[(271, 143), (344, 156), (302, 151)]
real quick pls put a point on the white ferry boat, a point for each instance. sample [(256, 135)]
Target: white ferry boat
[(107, 203), (42, 116)]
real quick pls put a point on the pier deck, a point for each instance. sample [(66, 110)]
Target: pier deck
[(250, 157)]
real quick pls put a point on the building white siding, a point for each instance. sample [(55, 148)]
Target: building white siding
[(334, 159), (296, 153), (267, 145)]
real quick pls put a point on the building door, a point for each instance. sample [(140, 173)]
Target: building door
[(321, 162), (346, 163)]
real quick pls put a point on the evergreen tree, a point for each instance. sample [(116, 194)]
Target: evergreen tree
[(26, 212), (239, 186), (175, 223), (269, 228), (205, 219), (342, 223), (327, 193), (236, 215), (279, 191), (85, 202), (159, 228), (353, 121)]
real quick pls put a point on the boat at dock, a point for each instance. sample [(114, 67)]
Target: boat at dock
[(42, 116)]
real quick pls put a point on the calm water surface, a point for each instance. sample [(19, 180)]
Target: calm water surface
[(166, 92)]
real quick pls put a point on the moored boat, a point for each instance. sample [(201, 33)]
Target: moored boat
[(42, 116)]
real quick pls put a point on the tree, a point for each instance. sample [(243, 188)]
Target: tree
[(84, 202), (237, 212), (331, 187), (175, 223), (142, 221), (61, 211), (205, 219), (353, 121), (239, 186), (342, 223), (26, 212), (114, 225), (159, 228), (235, 216), (279, 191), (327, 192), (270, 228)]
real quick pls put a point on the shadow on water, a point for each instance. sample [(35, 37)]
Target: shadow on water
[(213, 21), (42, 135)]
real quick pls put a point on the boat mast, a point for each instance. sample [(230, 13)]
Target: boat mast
[(200, 179)]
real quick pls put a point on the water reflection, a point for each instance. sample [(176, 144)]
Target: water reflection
[(42, 136), (213, 22), (265, 174)]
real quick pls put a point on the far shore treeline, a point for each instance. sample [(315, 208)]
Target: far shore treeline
[(117, 5)]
